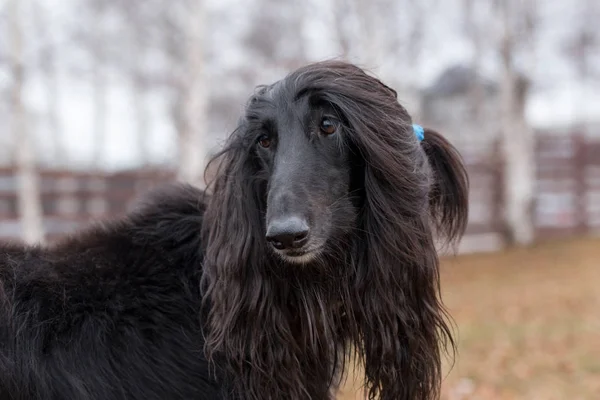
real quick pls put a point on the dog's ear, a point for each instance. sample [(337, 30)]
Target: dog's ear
[(232, 233), (234, 205), (449, 196), (402, 322)]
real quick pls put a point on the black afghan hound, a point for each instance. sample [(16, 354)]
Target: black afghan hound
[(318, 235)]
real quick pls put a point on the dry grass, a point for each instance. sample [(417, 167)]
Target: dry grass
[(528, 324)]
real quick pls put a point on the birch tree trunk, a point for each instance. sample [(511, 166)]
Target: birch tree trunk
[(474, 34), (99, 86), (60, 156), (28, 195), (192, 136), (140, 96), (517, 142), (47, 63)]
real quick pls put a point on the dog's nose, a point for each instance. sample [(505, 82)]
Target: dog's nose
[(287, 233)]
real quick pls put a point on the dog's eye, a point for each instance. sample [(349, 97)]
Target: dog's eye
[(328, 126), (264, 141)]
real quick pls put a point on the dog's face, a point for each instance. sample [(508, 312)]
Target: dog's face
[(303, 153)]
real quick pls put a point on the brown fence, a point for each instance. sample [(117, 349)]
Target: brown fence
[(568, 186), (566, 198), (567, 195), (72, 199)]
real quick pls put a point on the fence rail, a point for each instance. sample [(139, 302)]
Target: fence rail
[(72, 199), (566, 201)]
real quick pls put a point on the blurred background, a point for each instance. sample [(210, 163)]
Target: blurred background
[(102, 99)]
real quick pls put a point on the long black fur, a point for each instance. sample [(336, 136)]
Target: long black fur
[(110, 313), (185, 299)]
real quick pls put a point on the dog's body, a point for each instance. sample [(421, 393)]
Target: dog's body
[(111, 313), (317, 237)]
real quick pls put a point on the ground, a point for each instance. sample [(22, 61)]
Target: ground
[(527, 322)]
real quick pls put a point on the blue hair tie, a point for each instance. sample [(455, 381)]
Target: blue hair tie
[(419, 132)]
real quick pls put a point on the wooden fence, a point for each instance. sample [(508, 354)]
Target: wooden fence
[(72, 199), (566, 203), (566, 197)]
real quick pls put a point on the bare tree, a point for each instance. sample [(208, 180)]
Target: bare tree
[(48, 67), (192, 146), (361, 30), (98, 49), (581, 47), (517, 135), (138, 22), (383, 35), (140, 94), (29, 201), (138, 27), (585, 39), (507, 27), (275, 34), (475, 35)]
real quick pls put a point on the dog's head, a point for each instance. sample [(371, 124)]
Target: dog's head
[(318, 143), (325, 169)]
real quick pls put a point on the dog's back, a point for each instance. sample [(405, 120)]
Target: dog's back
[(110, 313)]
